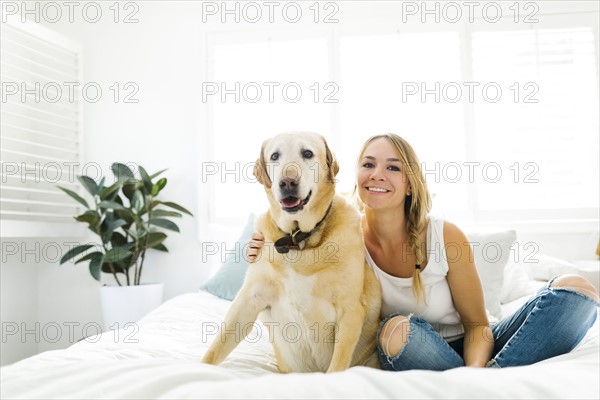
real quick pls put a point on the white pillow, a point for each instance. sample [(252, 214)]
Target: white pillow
[(491, 252), (517, 282), (543, 267)]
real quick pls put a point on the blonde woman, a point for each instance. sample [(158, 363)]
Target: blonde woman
[(433, 310)]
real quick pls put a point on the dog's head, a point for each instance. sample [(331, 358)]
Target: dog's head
[(297, 169)]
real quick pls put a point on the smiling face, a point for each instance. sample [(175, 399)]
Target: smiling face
[(381, 180)]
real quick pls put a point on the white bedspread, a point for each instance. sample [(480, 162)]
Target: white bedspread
[(164, 363)]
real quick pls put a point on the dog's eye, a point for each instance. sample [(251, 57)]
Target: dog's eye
[(274, 156), (307, 154)]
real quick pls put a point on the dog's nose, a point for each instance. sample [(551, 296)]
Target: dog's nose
[(288, 184)]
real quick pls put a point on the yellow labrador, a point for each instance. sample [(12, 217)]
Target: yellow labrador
[(313, 290)]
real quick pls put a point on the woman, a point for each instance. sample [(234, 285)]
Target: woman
[(433, 310)]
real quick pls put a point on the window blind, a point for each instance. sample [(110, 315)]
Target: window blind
[(40, 126), (549, 144)]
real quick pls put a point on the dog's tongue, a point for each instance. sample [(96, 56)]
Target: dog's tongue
[(290, 202)]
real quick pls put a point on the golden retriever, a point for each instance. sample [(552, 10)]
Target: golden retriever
[(314, 292)]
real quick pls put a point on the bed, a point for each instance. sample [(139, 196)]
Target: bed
[(162, 358)]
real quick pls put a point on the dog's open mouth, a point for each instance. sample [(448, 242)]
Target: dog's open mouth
[(293, 204)]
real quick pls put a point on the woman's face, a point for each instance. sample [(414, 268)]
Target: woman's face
[(382, 182)]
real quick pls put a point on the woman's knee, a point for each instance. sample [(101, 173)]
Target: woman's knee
[(576, 283), (394, 335)]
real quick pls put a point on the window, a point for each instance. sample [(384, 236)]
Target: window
[(529, 154), (375, 74), (546, 130), (260, 72), (40, 131)]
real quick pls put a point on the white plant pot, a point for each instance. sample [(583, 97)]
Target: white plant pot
[(127, 304)]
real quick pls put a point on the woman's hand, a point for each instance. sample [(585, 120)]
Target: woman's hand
[(254, 245)]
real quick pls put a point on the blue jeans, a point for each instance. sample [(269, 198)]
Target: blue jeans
[(552, 322)]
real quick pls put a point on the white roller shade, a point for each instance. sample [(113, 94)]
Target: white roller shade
[(40, 128)]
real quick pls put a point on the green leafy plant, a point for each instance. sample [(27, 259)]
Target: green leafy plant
[(125, 216)]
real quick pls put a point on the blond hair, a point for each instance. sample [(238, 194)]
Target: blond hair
[(416, 206)]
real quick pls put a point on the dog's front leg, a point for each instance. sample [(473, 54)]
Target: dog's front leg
[(347, 333), (243, 311)]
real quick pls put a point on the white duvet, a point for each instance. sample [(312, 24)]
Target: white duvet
[(164, 363)]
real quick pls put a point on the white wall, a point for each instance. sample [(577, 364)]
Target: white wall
[(18, 304), (164, 54)]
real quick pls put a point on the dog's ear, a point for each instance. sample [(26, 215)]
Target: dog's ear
[(332, 165), (260, 169)]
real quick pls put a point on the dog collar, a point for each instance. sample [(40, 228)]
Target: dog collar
[(292, 240)]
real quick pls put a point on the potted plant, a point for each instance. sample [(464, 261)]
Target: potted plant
[(128, 218)]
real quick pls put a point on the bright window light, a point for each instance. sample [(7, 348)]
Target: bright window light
[(261, 69), (545, 131), (529, 154)]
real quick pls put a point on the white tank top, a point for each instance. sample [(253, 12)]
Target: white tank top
[(438, 307)]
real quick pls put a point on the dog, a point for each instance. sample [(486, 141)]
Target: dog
[(314, 291)]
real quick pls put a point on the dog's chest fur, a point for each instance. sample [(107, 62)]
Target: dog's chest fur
[(301, 323)]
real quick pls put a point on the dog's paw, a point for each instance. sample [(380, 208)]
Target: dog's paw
[(336, 368), (209, 358)]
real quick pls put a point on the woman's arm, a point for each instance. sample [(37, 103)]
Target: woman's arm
[(467, 294)]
